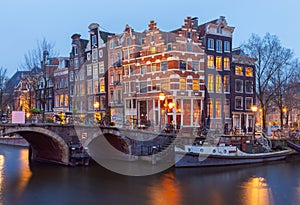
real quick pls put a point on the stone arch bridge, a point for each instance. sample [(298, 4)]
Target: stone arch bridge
[(51, 142)]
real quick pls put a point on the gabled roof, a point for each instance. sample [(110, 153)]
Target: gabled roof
[(14, 81)]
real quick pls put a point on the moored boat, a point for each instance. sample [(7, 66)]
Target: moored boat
[(293, 145), (228, 150)]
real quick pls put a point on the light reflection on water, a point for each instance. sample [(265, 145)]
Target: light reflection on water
[(24, 171), (257, 192)]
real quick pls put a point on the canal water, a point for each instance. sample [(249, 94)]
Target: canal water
[(21, 183)]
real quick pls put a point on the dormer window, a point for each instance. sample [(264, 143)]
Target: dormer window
[(75, 50), (152, 38), (219, 30), (94, 40)]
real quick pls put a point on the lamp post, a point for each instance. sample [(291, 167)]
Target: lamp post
[(254, 110), (162, 98)]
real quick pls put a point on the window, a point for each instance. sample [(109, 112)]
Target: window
[(226, 46), (112, 43), (61, 100), (226, 83), (218, 83), (226, 63), (96, 86), (153, 50), (94, 55), (210, 85), (248, 103), (165, 84), (82, 89), (238, 103), (95, 70), (94, 39), (218, 108), (195, 85), (164, 66), (182, 65), (219, 46), (210, 44), (227, 108), (66, 100), (219, 63), (238, 70), (249, 87), (195, 65), (189, 47), (143, 87), (152, 38), (76, 63), (153, 67), (210, 61), (249, 72), (143, 69), (210, 107), (128, 103), (182, 84), (238, 86), (88, 70), (169, 47), (71, 76), (102, 85), (111, 59), (89, 87), (100, 53), (153, 84), (127, 41), (189, 35), (75, 50), (101, 67), (72, 90)]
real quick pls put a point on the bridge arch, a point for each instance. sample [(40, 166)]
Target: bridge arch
[(46, 145)]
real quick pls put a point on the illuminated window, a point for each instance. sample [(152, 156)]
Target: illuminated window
[(182, 84), (82, 89), (153, 67), (66, 100), (210, 61), (249, 71), (153, 50), (226, 63), (102, 85), (218, 83), (219, 63), (96, 86), (165, 84), (196, 85), (210, 84), (238, 70), (61, 100)]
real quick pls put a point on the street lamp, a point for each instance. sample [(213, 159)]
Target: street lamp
[(162, 98), (254, 109)]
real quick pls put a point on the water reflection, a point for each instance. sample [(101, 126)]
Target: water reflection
[(256, 191), (166, 191), (24, 171), (2, 160)]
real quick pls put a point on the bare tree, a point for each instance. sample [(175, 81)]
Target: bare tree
[(273, 68), (36, 61), (3, 79)]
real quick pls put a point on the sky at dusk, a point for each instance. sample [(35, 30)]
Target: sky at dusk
[(23, 23)]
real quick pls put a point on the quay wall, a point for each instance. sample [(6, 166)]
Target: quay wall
[(15, 141)]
